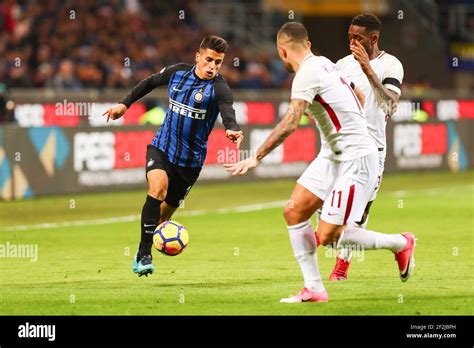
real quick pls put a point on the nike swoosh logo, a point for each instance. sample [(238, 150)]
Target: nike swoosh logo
[(145, 225), (332, 214), (406, 273), (177, 90)]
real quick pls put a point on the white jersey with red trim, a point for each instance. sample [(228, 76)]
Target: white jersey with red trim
[(335, 107), (389, 70)]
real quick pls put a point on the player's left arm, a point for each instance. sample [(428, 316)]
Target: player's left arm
[(387, 92), (225, 100), (281, 131), (141, 89)]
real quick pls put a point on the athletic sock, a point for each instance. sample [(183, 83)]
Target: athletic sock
[(149, 221), (304, 248), (346, 253), (371, 240)]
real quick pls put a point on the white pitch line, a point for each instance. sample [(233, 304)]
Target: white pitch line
[(131, 218), (47, 225), (237, 209), (432, 191)]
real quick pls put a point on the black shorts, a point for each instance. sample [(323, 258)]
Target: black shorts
[(180, 179)]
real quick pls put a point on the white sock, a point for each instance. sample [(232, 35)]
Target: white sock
[(345, 254), (304, 248), (371, 239)]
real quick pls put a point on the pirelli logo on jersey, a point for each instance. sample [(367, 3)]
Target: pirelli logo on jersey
[(186, 110)]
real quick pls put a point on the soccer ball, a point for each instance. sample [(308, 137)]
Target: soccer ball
[(170, 238)]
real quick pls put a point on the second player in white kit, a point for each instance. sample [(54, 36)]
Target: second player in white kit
[(342, 177), (389, 71), (379, 75)]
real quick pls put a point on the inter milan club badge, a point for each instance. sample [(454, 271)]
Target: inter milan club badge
[(198, 97)]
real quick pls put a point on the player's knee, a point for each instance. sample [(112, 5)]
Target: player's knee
[(164, 218), (325, 239), (291, 217), (157, 191)]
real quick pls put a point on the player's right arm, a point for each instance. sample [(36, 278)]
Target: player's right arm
[(278, 135), (283, 129), (387, 92), (144, 87), (304, 88)]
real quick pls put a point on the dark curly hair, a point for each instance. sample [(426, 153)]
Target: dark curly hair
[(368, 21)]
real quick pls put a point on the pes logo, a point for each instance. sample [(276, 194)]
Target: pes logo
[(105, 151), (420, 145)]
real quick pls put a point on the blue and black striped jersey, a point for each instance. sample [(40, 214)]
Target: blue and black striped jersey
[(192, 112)]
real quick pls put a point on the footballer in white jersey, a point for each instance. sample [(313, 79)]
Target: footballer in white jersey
[(389, 71), (342, 177), (335, 107), (379, 75)]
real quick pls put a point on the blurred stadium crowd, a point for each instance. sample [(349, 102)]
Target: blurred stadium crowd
[(63, 44)]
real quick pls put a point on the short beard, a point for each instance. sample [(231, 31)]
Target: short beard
[(367, 49)]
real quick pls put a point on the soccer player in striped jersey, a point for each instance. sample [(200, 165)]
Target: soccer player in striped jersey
[(341, 178), (379, 75), (197, 94)]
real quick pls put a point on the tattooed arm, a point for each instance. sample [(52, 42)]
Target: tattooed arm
[(386, 98), (286, 126)]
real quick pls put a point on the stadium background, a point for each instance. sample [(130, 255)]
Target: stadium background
[(73, 184), (58, 76)]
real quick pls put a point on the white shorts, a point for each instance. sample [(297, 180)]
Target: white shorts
[(382, 155), (345, 187)]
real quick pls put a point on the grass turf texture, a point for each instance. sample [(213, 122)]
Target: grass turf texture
[(237, 262)]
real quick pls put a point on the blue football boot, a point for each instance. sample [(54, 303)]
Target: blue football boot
[(144, 266)]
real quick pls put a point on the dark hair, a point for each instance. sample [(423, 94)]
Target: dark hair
[(214, 43), (295, 31), (368, 21)]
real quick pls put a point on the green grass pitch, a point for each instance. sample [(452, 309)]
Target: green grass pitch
[(239, 260)]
